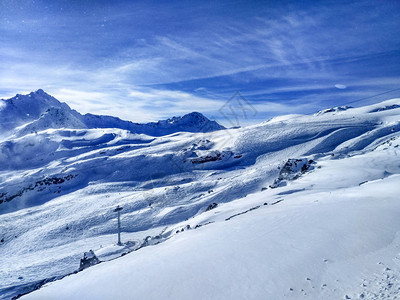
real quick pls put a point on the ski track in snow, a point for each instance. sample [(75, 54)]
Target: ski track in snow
[(166, 183)]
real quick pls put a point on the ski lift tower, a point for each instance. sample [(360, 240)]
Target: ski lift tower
[(117, 210)]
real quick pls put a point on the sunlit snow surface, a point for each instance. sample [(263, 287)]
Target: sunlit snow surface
[(329, 234)]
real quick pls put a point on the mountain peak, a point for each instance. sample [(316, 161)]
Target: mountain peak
[(39, 96), (23, 109), (191, 122), (195, 114), (41, 93)]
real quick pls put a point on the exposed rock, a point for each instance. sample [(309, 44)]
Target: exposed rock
[(89, 259), (292, 170), (212, 206)]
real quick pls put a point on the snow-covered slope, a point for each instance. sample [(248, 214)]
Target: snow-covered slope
[(230, 214), (324, 237), (53, 117)]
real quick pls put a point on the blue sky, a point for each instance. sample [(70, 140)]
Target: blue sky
[(146, 60)]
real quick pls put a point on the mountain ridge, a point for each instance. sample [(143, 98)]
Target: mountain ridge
[(38, 111)]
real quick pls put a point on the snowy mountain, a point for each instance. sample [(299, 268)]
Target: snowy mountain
[(192, 122), (298, 207), (23, 109), (39, 111)]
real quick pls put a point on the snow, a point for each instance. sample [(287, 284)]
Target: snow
[(325, 231), (323, 243)]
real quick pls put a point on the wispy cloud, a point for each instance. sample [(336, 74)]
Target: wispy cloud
[(143, 62)]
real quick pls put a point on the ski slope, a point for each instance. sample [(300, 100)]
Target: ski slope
[(324, 240), (306, 207)]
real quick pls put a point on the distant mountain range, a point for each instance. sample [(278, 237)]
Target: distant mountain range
[(37, 111)]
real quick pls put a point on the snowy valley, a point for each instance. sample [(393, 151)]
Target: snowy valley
[(297, 207)]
